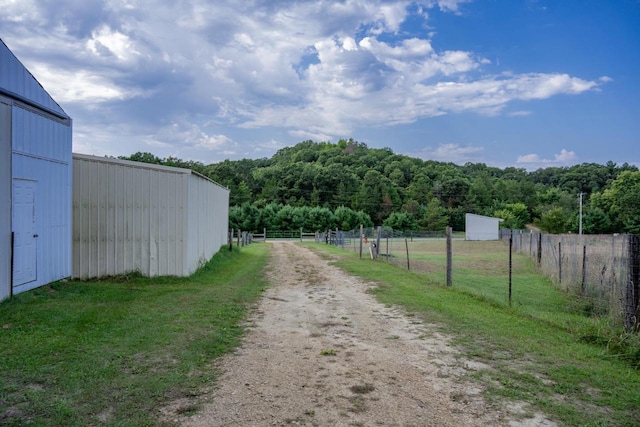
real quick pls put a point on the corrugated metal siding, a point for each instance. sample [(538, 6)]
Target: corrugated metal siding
[(5, 199), (42, 152), (152, 219), (127, 218), (208, 220), (15, 78)]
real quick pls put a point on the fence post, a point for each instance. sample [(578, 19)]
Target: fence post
[(231, 239), (510, 262), (584, 268), (406, 244), (388, 247), (361, 231), (449, 256), (264, 230), (560, 263), (632, 315), (379, 235), (238, 243), (539, 248)]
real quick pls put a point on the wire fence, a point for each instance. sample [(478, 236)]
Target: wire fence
[(596, 276), (597, 268), (586, 275)]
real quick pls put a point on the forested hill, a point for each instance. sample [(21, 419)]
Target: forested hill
[(414, 193)]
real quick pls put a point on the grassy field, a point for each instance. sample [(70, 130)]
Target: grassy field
[(573, 377), (482, 269), (113, 352)]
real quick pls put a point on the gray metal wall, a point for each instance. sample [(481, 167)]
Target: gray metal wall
[(478, 227), (130, 216), (208, 225), (5, 198)]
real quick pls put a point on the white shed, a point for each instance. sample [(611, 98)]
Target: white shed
[(35, 182), (156, 220), (479, 227)]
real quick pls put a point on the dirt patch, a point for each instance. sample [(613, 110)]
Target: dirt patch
[(321, 351)]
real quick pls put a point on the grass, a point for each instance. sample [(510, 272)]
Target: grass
[(113, 352), (481, 269), (535, 359)]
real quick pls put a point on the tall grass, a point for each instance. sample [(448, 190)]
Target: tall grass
[(112, 352)]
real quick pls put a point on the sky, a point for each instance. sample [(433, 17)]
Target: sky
[(508, 83)]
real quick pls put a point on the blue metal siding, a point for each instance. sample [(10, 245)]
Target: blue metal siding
[(16, 79), (5, 198), (42, 152)]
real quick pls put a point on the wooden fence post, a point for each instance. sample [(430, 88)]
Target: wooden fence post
[(560, 262), (632, 311), (406, 244), (510, 262), (231, 239), (449, 257), (584, 268), (361, 231), (539, 254)]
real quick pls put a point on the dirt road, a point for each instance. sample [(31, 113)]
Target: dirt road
[(321, 351)]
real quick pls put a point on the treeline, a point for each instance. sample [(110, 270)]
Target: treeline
[(287, 217), (410, 193)]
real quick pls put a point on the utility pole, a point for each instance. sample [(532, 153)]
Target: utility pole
[(580, 228)]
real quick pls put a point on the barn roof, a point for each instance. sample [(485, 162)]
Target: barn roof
[(18, 83)]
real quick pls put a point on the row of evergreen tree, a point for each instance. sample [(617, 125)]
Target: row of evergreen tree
[(312, 185)]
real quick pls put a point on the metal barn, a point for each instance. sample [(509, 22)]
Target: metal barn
[(479, 227), (132, 216), (35, 182)]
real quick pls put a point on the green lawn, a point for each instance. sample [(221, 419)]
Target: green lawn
[(113, 352), (575, 378)]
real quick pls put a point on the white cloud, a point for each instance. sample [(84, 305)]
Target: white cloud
[(108, 42), (452, 5), (313, 136), (79, 86), (565, 157), (519, 113), (190, 136), (454, 153), (313, 68), (20, 11)]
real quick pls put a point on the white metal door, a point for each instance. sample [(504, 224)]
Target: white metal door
[(25, 236)]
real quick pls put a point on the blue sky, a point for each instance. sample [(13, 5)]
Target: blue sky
[(524, 83)]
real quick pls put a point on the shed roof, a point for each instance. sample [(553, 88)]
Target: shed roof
[(18, 83), (485, 217), (142, 165)]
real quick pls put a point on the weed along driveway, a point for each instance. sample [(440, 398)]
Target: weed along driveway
[(321, 351)]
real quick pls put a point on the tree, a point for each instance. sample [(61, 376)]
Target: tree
[(622, 201), (515, 216), (435, 217), (319, 219), (554, 221), (401, 221), (377, 196), (596, 221)]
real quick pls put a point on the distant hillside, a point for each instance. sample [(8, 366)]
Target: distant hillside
[(380, 182)]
